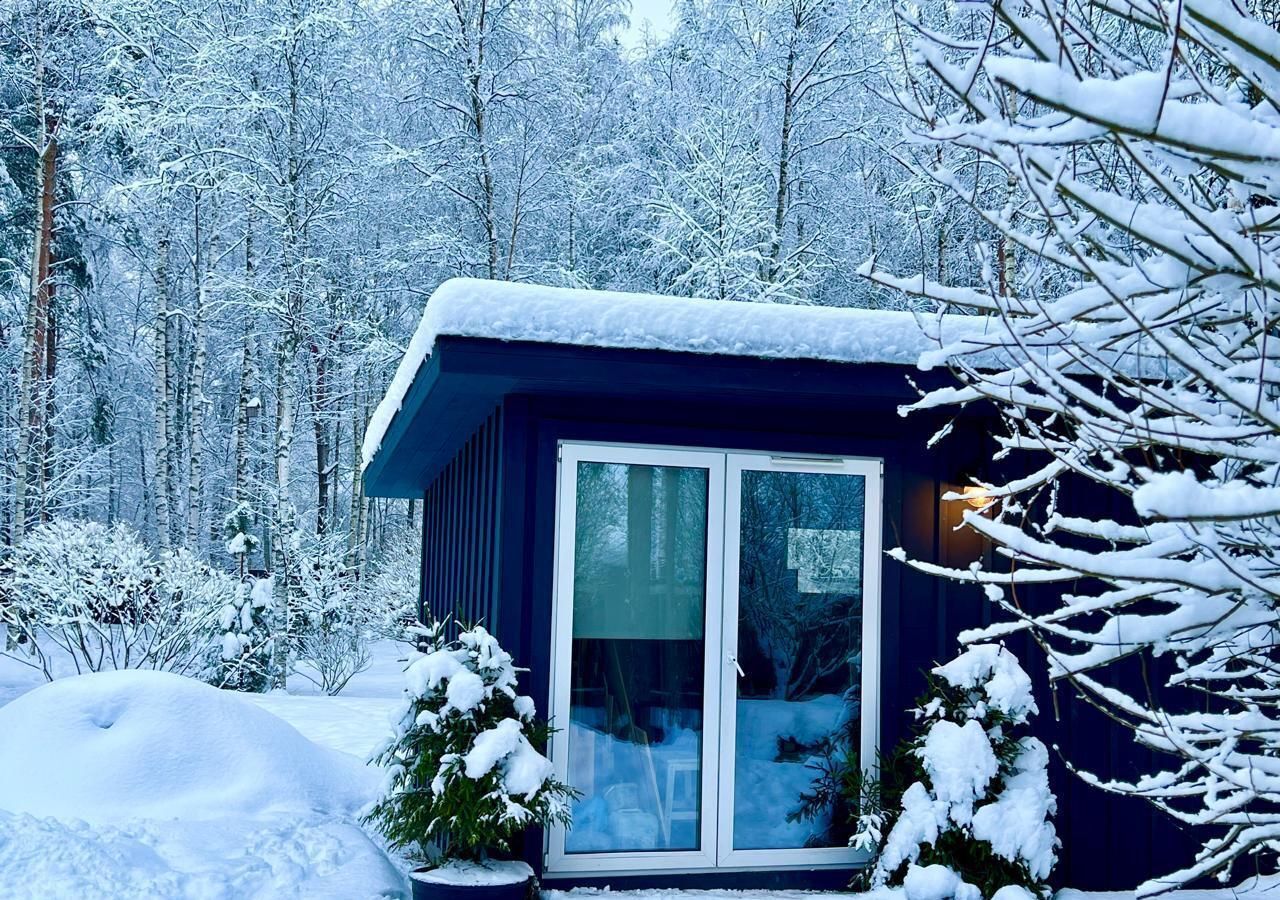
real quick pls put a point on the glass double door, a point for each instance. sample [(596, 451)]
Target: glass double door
[(716, 619)]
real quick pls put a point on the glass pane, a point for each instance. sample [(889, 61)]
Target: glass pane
[(800, 650), (635, 710)]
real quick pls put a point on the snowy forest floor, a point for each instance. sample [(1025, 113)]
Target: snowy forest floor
[(358, 719), (266, 853)]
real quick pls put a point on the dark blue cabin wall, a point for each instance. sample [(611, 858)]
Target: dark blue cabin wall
[(932, 611), (460, 514), (519, 548)]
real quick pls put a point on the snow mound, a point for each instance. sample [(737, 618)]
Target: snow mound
[(937, 882), (143, 744)]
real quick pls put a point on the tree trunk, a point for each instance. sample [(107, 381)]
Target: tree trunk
[(320, 425), (35, 394), (173, 411), (195, 485), (160, 467), (285, 517), (479, 115), (784, 163), (113, 485), (50, 354), (240, 453), (284, 512), (356, 519), (1004, 252)]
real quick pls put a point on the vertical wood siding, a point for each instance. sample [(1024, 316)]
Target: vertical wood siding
[(460, 536)]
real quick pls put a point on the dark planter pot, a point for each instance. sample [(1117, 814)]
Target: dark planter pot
[(430, 890)]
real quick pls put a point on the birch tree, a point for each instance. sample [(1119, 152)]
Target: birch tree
[(253, 200)]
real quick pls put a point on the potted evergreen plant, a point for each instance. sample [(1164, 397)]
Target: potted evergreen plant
[(465, 773), (965, 810)]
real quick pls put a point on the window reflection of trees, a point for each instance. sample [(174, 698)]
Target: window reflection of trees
[(636, 706), (641, 547), (796, 644)]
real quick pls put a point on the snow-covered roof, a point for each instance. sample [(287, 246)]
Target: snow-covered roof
[(501, 310)]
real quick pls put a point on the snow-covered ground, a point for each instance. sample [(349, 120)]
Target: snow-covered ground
[(16, 679), (354, 725), (358, 719), (138, 785), (145, 786), (254, 858)]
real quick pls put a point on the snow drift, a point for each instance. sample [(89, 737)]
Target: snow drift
[(144, 744)]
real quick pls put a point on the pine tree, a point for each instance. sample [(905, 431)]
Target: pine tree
[(974, 820), (244, 653), (465, 771), (237, 528)]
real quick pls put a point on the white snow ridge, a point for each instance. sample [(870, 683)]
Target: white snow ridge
[(138, 784)]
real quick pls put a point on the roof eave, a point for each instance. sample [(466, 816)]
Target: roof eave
[(465, 378)]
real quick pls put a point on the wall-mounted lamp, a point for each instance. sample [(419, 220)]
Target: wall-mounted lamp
[(976, 496)]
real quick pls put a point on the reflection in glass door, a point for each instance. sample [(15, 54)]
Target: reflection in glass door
[(715, 620), (635, 708), (793, 698), (633, 617)]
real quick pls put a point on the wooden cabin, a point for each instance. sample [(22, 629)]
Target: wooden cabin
[(675, 514)]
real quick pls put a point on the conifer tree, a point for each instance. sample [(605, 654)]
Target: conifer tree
[(244, 653), (464, 769), (974, 820)]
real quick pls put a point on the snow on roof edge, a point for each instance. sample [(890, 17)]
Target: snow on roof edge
[(509, 311)]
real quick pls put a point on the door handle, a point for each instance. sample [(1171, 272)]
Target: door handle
[(733, 659)]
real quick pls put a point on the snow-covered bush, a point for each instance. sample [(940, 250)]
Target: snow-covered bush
[(85, 597), (1123, 157), (237, 528), (975, 821), (391, 585), (332, 622), (464, 768), (243, 656)]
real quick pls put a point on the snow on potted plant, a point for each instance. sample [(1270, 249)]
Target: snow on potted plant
[(464, 775), (968, 813)]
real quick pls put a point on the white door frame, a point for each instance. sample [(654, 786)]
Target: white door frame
[(723, 536), (558, 860), (869, 712)]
